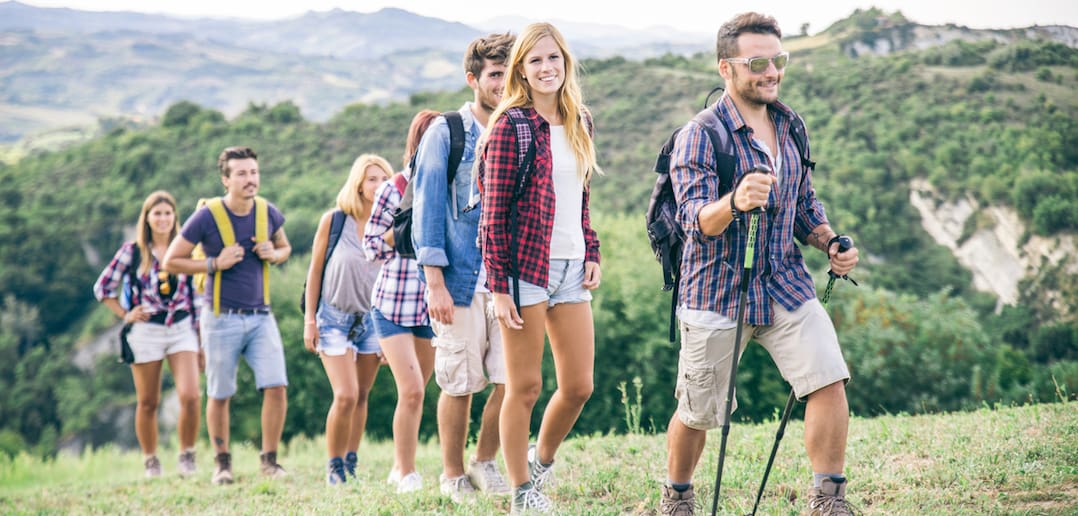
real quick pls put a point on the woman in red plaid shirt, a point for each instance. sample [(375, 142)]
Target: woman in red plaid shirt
[(549, 250)]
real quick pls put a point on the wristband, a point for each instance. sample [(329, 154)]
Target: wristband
[(736, 213), (211, 265)]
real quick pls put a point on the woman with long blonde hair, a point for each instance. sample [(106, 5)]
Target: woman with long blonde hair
[(337, 324), (160, 322), (540, 252)]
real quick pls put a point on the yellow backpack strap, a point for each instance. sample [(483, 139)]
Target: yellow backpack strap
[(262, 235), (228, 237)]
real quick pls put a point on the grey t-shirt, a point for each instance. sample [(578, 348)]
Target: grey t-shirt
[(241, 284), (349, 277)]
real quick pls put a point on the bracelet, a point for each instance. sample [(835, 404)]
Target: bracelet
[(211, 265)]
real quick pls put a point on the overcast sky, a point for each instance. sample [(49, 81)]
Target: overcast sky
[(684, 15)]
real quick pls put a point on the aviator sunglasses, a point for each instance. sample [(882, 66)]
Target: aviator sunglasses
[(759, 64)]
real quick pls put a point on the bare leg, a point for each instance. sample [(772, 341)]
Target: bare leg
[(523, 364), (572, 342), (366, 371), (453, 416), (147, 379), (342, 377), (217, 423), (400, 351), (486, 446), (184, 366), (827, 419), (274, 408), (684, 446)]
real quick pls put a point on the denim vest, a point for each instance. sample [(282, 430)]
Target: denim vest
[(444, 234)]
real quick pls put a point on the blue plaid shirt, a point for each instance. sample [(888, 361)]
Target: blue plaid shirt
[(712, 265)]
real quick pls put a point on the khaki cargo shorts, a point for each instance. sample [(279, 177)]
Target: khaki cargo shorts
[(802, 343), (468, 353)]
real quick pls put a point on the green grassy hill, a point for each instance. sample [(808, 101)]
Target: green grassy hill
[(987, 462)]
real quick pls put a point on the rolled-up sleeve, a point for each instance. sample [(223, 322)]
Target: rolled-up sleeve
[(692, 172), (431, 195), (108, 284), (497, 176), (386, 201)]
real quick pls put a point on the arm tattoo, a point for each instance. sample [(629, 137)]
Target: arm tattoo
[(819, 238)]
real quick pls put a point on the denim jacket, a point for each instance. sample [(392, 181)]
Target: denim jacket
[(444, 234)]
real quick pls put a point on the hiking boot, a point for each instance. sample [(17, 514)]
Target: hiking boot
[(830, 499), (335, 473), (458, 489), (410, 482), (528, 500), (270, 468), (187, 465), (676, 503), (542, 477), (153, 467), (485, 477), (222, 474), (350, 461)]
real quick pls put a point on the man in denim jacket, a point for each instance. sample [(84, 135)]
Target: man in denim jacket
[(468, 347)]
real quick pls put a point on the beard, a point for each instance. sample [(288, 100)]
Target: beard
[(747, 89)]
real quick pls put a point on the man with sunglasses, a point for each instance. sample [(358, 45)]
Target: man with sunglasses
[(782, 312)]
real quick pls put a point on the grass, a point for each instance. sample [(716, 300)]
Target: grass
[(1014, 460)]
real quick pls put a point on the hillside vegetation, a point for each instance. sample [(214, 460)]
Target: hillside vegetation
[(986, 462), (993, 120)]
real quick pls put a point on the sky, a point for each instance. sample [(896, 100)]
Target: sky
[(703, 16)]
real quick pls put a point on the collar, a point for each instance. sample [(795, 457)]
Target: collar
[(728, 110)]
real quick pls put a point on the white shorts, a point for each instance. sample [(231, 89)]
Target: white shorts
[(152, 342)]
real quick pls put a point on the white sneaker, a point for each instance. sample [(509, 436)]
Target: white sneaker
[(458, 489), (485, 477), (394, 477), (410, 482)]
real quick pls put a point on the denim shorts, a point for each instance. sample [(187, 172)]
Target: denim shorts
[(386, 328), (339, 330), (254, 336), (564, 285)]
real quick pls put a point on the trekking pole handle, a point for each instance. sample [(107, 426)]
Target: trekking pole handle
[(845, 243), (760, 168)]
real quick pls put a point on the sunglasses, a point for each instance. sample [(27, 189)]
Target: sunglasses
[(759, 64), (163, 284)]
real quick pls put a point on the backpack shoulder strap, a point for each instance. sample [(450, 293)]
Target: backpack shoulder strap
[(525, 149), (336, 227), (721, 144), (262, 235), (220, 217), (132, 276), (456, 143), (800, 136)]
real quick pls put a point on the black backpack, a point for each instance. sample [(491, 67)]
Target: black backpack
[(336, 227), (664, 232), (402, 218)]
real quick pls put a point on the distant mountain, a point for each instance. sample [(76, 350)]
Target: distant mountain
[(604, 40)]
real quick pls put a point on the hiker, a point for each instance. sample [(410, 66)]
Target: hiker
[(467, 342), (160, 322), (337, 324), (399, 314), (783, 313), (242, 235), (550, 251)]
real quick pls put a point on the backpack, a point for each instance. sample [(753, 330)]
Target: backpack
[(664, 233), (402, 217), (217, 209), (336, 227)]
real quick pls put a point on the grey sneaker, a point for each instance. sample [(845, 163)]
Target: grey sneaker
[(270, 468), (542, 477), (528, 500), (335, 472), (458, 489), (222, 474), (830, 499), (187, 465), (676, 503), (153, 467), (485, 477)]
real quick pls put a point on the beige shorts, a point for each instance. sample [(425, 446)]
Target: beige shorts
[(153, 342), (468, 353), (802, 343)]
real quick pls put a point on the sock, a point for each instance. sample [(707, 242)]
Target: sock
[(817, 478), (681, 488)]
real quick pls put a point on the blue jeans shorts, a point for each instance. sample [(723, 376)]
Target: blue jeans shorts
[(254, 336), (564, 285), (386, 328), (339, 331)]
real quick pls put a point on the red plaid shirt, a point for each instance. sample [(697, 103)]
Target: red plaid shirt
[(535, 219)]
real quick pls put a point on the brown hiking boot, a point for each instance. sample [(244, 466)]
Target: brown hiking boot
[(222, 474), (830, 499), (677, 504), (270, 468)]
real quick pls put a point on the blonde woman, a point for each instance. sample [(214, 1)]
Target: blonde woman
[(542, 260), (337, 324), (161, 323)]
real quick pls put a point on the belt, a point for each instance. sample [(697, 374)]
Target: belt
[(159, 317), (245, 311)]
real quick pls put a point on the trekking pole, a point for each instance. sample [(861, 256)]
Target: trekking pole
[(750, 252), (844, 244)]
